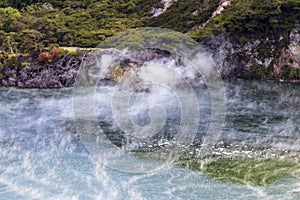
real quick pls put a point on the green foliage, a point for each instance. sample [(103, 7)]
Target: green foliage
[(83, 23), (201, 33), (254, 17), (7, 16), (289, 73), (30, 24), (243, 40), (180, 17), (263, 51), (24, 64), (19, 4), (11, 61), (9, 44), (30, 39), (257, 72)]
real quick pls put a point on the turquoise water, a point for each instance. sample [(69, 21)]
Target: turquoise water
[(42, 156)]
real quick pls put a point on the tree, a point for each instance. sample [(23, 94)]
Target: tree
[(29, 40), (9, 44), (7, 17)]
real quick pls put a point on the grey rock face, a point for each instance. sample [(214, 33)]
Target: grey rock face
[(268, 55), (58, 74)]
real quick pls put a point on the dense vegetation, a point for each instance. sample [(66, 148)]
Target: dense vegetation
[(26, 25), (185, 15), (254, 17), (33, 24), (68, 23)]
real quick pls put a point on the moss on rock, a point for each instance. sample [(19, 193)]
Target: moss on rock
[(253, 171)]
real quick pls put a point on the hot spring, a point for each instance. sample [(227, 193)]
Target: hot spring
[(43, 157)]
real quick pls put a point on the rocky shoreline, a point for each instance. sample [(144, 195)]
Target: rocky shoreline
[(268, 59), (28, 73)]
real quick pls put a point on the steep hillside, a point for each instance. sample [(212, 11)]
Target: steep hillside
[(250, 39)]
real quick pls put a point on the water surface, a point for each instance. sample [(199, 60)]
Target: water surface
[(42, 156)]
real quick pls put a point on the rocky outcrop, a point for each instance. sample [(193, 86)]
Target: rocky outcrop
[(269, 58), (222, 5), (108, 67), (166, 4), (28, 73), (273, 58)]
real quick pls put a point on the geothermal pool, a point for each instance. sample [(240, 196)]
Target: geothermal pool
[(43, 157)]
